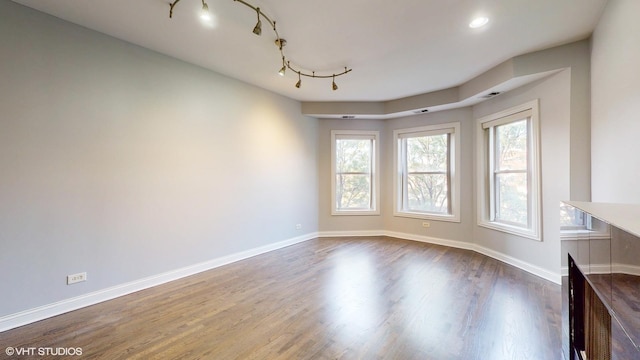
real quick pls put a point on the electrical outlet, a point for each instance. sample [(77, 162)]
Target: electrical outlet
[(426, 224), (76, 278), (298, 226)]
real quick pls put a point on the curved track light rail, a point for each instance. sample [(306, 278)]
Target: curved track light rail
[(280, 43)]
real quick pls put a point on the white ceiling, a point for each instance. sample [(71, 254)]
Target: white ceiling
[(395, 48)]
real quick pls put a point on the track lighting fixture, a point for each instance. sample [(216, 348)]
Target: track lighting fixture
[(258, 28), (280, 42), (299, 83)]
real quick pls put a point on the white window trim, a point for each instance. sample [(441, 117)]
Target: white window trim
[(452, 128), (482, 179), (375, 192)]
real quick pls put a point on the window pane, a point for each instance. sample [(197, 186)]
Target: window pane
[(427, 153), (511, 198), (427, 192), (353, 155), (353, 191), (511, 146)]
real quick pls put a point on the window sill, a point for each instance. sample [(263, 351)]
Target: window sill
[(355, 212), (513, 230), (424, 216)]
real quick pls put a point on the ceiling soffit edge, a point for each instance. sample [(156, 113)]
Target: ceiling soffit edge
[(510, 74)]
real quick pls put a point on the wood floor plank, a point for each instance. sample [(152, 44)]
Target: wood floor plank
[(331, 298)]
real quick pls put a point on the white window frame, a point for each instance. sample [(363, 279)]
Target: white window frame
[(453, 129), (374, 208), (485, 167)]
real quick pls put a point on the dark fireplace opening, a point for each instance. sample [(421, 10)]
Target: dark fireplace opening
[(589, 319)]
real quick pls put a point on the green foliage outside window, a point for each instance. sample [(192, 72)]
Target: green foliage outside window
[(353, 173), (511, 182), (427, 179)]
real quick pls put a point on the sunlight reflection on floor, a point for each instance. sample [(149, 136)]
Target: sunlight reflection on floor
[(353, 298)]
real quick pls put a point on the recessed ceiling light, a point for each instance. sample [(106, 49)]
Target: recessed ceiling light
[(478, 22)]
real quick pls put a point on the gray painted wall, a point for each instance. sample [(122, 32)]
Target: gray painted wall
[(615, 104), (125, 163), (577, 57)]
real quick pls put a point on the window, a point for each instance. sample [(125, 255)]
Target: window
[(576, 224), (572, 218), (427, 180), (508, 171), (354, 172)]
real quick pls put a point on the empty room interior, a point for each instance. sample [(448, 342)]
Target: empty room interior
[(306, 179)]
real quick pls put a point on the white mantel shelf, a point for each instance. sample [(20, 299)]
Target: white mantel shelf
[(623, 216)]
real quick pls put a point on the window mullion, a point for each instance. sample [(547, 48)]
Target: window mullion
[(427, 173), (511, 171)]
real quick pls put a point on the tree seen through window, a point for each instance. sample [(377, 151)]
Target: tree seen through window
[(353, 173)]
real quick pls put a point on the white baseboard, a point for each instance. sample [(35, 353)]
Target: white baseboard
[(626, 269), (36, 314), (12, 321), (616, 268), (600, 269), (351, 233), (530, 268), (431, 240)]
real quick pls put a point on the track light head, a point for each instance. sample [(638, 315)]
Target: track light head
[(258, 28), (204, 13), (299, 83), (283, 69), (333, 85)]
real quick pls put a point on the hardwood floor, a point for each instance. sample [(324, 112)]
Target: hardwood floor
[(334, 298)]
